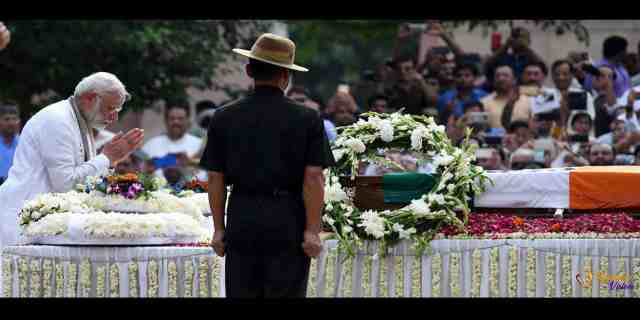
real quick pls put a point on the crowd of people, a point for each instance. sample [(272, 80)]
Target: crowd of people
[(589, 116)]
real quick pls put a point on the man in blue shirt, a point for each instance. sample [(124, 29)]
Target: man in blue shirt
[(452, 102), (9, 127), (614, 49)]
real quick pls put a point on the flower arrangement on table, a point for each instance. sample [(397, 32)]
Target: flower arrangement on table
[(46, 204), (109, 207), (130, 186), (457, 181)]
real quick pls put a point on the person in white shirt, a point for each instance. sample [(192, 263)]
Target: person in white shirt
[(57, 149), (562, 75), (176, 141)]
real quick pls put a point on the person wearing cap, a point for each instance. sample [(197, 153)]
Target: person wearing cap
[(271, 150), (57, 149)]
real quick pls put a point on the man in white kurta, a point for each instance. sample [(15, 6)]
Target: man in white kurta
[(51, 155)]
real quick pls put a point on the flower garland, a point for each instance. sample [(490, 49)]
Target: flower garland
[(424, 217)]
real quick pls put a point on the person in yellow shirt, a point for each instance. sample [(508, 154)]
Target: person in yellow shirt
[(506, 94)]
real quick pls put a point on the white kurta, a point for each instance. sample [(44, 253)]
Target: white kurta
[(49, 158)]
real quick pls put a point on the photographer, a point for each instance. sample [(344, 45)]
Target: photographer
[(605, 103), (515, 52), (410, 91), (614, 49), (571, 98), (474, 117)]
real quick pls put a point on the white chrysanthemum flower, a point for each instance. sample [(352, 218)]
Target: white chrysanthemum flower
[(385, 129), (329, 207), (334, 193), (419, 133), (373, 224), (420, 207), (442, 160), (356, 145)]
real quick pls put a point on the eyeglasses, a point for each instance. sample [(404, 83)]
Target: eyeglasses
[(119, 106)]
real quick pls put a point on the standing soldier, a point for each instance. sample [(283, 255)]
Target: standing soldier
[(272, 151)]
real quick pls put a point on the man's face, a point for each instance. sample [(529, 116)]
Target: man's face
[(504, 79), (601, 155), (379, 105), (543, 127), (405, 70), (533, 75), (342, 115), (9, 124), (446, 72), (582, 125), (492, 162), (562, 76), (617, 127), (177, 123), (522, 135), (104, 109), (601, 82), (465, 79)]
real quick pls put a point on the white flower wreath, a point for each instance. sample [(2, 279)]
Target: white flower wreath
[(458, 180)]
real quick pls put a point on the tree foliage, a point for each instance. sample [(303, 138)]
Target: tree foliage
[(154, 59)]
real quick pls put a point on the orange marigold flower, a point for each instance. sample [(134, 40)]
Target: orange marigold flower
[(555, 227), (518, 221)]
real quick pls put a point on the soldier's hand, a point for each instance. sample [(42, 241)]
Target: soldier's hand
[(312, 244), (218, 243)]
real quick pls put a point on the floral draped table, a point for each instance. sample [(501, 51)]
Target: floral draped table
[(484, 268), (121, 257)]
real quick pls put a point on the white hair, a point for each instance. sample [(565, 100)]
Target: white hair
[(522, 152), (101, 83)]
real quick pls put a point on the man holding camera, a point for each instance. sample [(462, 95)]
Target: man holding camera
[(614, 50), (572, 99), (516, 52), (410, 91)]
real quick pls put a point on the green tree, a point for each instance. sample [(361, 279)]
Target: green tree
[(338, 51), (155, 59)]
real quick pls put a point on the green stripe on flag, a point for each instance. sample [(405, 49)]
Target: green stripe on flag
[(402, 187)]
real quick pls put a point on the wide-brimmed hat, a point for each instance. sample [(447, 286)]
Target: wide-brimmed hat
[(273, 49)]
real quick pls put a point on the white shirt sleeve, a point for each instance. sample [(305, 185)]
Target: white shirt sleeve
[(57, 152)]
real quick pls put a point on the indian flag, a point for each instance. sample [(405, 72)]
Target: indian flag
[(584, 188)]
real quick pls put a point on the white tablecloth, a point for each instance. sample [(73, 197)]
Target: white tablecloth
[(108, 256)]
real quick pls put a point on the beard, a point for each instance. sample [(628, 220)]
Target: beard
[(95, 118)]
